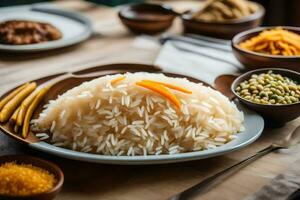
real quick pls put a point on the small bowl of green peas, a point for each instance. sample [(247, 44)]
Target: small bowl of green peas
[(272, 92)]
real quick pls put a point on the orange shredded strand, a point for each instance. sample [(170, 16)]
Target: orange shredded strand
[(117, 80), (161, 90), (174, 87)]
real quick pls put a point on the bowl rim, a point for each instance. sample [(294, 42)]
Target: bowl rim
[(254, 16), (234, 83), (21, 157), (236, 38), (159, 5)]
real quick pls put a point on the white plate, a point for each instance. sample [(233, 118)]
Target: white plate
[(254, 125), (74, 26)]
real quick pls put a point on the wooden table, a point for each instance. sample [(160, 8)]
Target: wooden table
[(95, 181)]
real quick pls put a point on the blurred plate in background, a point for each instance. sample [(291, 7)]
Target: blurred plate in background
[(74, 26)]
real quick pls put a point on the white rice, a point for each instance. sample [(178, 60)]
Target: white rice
[(126, 119)]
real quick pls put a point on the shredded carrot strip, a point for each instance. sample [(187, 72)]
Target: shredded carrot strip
[(161, 90), (116, 80), (168, 85)]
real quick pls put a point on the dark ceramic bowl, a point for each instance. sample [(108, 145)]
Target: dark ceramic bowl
[(252, 60), (50, 167), (224, 30), (147, 18), (277, 114)]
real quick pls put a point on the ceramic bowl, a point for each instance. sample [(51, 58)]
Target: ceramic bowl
[(253, 60), (276, 114), (224, 30), (50, 167), (146, 18)]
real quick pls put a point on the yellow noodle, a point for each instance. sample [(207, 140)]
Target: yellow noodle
[(292, 42), (261, 47), (293, 49), (275, 41), (285, 48)]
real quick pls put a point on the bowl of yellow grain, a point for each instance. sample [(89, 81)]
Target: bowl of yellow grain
[(29, 178), (276, 47)]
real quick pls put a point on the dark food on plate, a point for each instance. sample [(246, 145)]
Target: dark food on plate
[(24, 179), (269, 88), (20, 32), (139, 114), (223, 10), (275, 41)]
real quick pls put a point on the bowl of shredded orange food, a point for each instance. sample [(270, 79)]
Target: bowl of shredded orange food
[(25, 177), (277, 47)]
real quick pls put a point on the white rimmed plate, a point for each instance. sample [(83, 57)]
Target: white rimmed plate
[(74, 26)]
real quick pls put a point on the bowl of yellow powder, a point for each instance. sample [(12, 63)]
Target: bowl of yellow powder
[(25, 177)]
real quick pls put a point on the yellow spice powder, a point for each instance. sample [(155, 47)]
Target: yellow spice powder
[(24, 179)]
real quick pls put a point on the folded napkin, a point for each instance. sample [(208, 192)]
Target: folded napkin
[(202, 58), (281, 187)]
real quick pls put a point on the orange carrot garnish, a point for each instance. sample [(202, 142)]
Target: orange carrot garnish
[(116, 80), (174, 87), (162, 90)]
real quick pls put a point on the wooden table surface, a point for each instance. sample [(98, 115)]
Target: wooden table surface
[(95, 181)]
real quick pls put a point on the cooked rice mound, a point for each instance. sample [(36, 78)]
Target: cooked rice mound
[(126, 119)]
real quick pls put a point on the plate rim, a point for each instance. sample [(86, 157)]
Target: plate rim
[(150, 159)]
